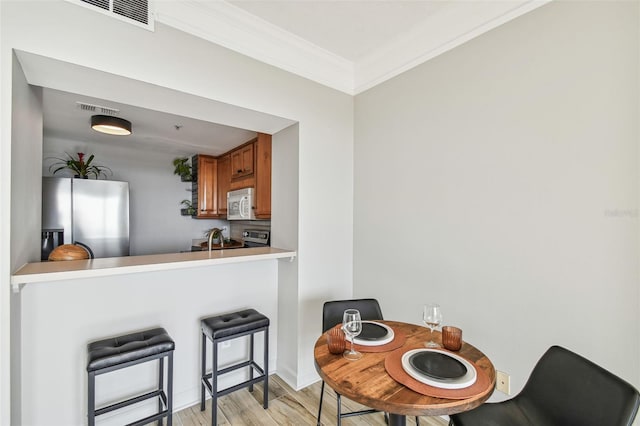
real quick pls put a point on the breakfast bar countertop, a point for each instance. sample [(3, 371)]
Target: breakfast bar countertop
[(65, 270)]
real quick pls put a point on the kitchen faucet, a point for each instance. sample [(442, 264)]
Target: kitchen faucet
[(216, 231)]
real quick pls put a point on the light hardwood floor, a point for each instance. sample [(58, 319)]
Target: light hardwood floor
[(286, 407)]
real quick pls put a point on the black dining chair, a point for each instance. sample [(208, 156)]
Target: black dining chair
[(332, 312), (564, 389)]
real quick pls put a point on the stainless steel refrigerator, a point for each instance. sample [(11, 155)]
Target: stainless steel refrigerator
[(92, 212)]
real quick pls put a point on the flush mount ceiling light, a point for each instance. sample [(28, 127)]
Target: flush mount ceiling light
[(110, 125)]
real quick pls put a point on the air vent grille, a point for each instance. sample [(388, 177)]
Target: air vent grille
[(136, 12), (97, 108), (102, 4)]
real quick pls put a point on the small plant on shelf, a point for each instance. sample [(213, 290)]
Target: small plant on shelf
[(188, 209), (79, 167), (183, 169)]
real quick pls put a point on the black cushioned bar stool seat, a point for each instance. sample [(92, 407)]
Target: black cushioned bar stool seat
[(231, 326), (124, 351)]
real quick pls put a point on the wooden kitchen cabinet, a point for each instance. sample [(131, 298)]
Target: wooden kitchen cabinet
[(204, 187), (263, 176), (248, 166), (224, 183), (242, 161)]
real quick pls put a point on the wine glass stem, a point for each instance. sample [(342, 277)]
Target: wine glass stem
[(431, 336), (352, 351)]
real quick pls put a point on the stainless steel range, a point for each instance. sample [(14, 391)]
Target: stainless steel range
[(256, 238)]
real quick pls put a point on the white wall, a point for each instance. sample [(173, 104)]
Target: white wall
[(284, 205), (155, 193), (26, 125), (170, 59), (509, 169)]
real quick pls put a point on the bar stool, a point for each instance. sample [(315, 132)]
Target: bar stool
[(226, 327), (124, 351)]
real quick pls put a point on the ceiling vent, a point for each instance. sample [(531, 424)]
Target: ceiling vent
[(97, 108), (137, 12)]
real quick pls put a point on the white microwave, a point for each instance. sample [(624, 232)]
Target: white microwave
[(240, 205)]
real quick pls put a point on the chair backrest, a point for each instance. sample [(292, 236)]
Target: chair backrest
[(567, 389), (332, 311)]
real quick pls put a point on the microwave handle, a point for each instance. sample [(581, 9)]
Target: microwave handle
[(242, 201)]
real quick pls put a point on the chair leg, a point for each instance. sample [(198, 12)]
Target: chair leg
[(160, 386), (203, 369), (214, 385), (251, 359), (320, 405), (417, 421), (170, 390), (339, 407), (265, 402), (91, 411)]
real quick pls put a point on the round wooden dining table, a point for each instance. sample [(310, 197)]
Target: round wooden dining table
[(367, 381)]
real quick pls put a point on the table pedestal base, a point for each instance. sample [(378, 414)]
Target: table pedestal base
[(397, 420)]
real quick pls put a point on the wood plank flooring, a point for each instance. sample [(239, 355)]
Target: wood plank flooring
[(286, 407)]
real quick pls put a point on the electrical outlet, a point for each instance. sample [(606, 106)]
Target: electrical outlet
[(226, 345), (502, 382)]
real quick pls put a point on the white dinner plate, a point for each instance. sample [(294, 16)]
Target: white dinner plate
[(462, 382), (378, 342)]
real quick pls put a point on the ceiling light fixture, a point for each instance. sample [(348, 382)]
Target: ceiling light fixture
[(110, 125)]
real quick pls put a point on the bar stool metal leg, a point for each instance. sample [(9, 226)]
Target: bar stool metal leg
[(251, 360), (203, 369), (214, 384), (265, 402), (160, 385), (92, 399), (170, 390)]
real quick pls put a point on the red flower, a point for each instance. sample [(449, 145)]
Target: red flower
[(80, 156)]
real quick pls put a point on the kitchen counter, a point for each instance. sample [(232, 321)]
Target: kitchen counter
[(65, 270)]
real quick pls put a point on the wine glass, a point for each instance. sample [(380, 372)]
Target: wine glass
[(352, 326), (432, 317)]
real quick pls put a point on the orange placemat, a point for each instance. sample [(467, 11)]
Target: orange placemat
[(393, 365), (399, 337)]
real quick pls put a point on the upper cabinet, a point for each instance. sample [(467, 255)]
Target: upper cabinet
[(224, 183), (247, 166), (242, 161), (263, 176), (204, 189)]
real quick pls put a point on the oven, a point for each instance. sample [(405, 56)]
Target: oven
[(256, 238)]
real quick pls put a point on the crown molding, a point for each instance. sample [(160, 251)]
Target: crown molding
[(234, 28), (448, 29)]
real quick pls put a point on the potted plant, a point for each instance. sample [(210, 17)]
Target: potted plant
[(189, 210), (182, 169), (80, 168)]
